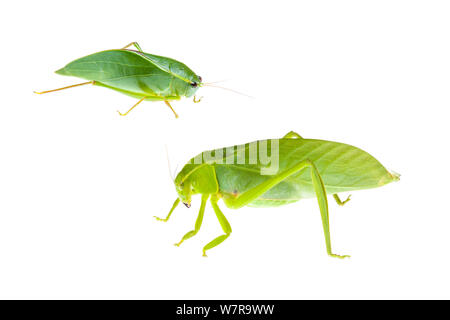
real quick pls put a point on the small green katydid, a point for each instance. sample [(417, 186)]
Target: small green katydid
[(135, 73), (305, 168)]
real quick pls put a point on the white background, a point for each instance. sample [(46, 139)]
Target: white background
[(79, 185)]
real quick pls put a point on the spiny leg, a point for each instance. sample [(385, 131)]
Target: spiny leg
[(339, 201), (124, 114), (323, 205), (168, 104), (175, 204), (223, 223), (292, 135), (63, 88), (319, 188), (198, 222), (135, 44)]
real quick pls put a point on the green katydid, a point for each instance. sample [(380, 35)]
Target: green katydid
[(135, 73), (305, 168)]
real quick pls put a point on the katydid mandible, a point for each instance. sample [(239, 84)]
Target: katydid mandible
[(135, 73), (306, 168)]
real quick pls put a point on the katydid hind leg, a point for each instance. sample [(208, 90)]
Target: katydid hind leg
[(321, 195), (250, 195), (63, 88), (292, 135), (339, 201), (175, 204), (198, 222), (223, 223), (135, 44)]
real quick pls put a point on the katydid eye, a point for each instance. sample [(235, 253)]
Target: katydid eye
[(199, 78), (194, 84)]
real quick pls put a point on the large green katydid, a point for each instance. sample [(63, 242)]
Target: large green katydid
[(305, 168), (135, 73)]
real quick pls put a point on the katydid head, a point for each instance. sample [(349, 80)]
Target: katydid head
[(194, 84), (195, 179), (183, 186), (184, 191)]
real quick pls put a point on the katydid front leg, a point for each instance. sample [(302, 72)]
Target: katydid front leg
[(198, 222), (319, 188), (223, 223), (197, 100), (175, 204)]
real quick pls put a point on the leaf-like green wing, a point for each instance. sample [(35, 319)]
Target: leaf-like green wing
[(173, 67), (341, 166), (110, 65), (129, 72)]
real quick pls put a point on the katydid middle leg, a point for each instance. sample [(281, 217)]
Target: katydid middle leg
[(223, 223), (250, 195), (198, 222), (124, 114), (339, 201), (168, 104)]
